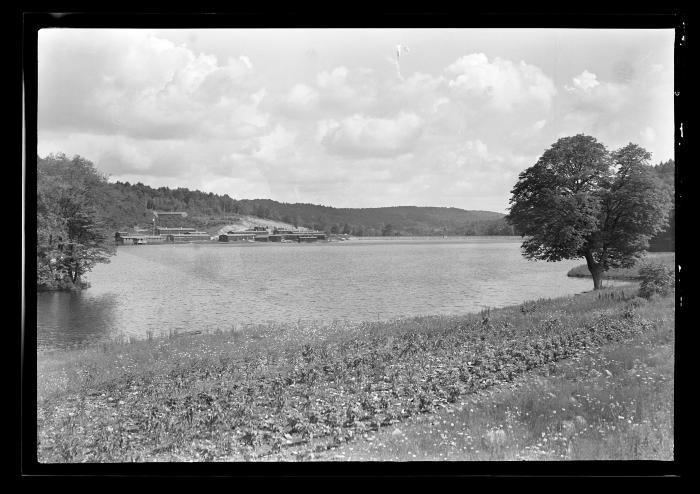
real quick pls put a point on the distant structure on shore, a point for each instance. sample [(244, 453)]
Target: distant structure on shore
[(159, 234), (184, 234), (162, 235), (169, 213), (262, 234)]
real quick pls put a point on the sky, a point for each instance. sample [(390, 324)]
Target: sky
[(348, 117)]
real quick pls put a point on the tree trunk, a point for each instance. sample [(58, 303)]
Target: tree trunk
[(76, 276), (596, 272)]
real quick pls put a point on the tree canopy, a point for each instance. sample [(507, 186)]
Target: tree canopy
[(71, 236), (666, 240), (581, 201)]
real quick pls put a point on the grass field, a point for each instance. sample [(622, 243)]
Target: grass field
[(608, 403), (480, 386)]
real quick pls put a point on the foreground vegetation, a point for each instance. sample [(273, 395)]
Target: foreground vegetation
[(291, 391), (615, 402)]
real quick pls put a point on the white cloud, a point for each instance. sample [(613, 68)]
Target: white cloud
[(300, 103), (302, 95), (648, 134), (338, 128), (609, 110), (506, 85), (136, 84), (246, 61), (584, 82), (271, 145), (342, 89), (359, 135), (335, 78)]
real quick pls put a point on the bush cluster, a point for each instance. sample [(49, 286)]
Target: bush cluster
[(657, 279)]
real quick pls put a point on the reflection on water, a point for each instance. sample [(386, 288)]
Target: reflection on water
[(73, 318), (161, 288)]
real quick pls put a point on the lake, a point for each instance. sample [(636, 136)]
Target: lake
[(183, 287)]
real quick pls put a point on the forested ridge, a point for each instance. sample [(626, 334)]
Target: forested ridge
[(130, 204), (122, 205)]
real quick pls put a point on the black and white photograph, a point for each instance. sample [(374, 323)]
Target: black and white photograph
[(354, 244)]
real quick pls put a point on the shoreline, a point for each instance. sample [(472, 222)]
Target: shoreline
[(629, 274), (318, 324), (246, 396), (332, 239)]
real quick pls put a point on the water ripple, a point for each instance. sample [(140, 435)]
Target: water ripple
[(162, 287)]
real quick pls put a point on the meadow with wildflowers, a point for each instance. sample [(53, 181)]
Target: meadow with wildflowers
[(308, 391), (614, 402)]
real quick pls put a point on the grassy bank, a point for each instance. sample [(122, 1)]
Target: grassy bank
[(615, 402), (665, 258), (291, 391)]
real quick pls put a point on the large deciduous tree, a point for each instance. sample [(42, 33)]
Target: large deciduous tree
[(71, 237), (581, 201)]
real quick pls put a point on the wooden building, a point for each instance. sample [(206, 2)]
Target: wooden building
[(236, 237), (193, 236), (139, 239), (167, 230)]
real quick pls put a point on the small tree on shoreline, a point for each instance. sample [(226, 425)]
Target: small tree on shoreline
[(581, 201)]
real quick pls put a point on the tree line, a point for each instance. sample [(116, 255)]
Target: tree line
[(123, 205), (665, 241)]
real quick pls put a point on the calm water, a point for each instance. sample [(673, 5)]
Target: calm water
[(208, 286)]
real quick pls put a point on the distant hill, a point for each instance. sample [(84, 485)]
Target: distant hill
[(128, 205), (124, 206)]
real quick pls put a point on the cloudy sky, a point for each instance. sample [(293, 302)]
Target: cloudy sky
[(334, 117)]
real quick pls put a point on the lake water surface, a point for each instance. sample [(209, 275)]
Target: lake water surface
[(159, 288)]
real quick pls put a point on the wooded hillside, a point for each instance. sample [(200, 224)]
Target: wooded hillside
[(666, 240), (124, 205)]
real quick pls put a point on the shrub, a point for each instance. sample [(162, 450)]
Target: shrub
[(656, 279)]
